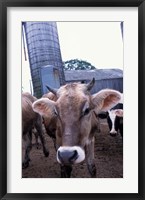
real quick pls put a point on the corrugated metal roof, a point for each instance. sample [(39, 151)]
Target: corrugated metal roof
[(98, 74)]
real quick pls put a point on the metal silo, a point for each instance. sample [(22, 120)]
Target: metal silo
[(43, 50)]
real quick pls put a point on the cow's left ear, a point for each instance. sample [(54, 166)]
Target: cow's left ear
[(105, 99)]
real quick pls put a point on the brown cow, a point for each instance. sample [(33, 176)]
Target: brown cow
[(76, 123), (30, 119)]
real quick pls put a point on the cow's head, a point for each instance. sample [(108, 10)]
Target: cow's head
[(74, 110), (113, 118)]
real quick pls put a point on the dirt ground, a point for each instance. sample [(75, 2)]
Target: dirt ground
[(108, 159)]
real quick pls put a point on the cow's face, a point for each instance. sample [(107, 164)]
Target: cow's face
[(74, 111), (114, 117)]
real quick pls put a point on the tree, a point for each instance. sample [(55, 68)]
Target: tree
[(76, 64)]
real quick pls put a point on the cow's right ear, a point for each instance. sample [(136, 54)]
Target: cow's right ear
[(43, 106), (119, 112)]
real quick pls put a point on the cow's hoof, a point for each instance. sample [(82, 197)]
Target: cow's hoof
[(38, 145), (46, 153), (93, 175), (92, 170), (25, 164)]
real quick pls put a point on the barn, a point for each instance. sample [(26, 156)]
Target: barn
[(104, 78)]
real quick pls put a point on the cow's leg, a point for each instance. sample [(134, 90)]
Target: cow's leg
[(38, 126), (90, 158), (66, 171), (51, 133), (34, 131), (54, 143), (98, 125), (36, 139), (28, 146), (52, 136)]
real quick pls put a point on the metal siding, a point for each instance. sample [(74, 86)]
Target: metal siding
[(116, 84), (104, 78), (49, 76)]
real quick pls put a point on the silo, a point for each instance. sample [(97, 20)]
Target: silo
[(43, 50)]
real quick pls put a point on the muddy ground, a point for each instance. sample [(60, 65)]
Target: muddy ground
[(108, 159)]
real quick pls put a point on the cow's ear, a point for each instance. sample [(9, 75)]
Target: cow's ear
[(105, 99), (119, 112), (44, 106)]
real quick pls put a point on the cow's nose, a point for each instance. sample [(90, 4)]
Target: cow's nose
[(67, 156), (113, 133)]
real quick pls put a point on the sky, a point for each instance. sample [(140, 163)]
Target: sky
[(99, 43)]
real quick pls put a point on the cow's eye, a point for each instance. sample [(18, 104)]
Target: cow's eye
[(87, 111), (55, 112)]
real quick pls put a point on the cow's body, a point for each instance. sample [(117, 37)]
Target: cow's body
[(30, 119), (76, 123)]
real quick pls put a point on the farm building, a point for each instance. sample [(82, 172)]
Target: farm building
[(105, 78)]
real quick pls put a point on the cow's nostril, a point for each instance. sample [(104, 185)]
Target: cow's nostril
[(74, 156), (67, 156)]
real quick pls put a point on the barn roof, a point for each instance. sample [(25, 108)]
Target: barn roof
[(98, 74)]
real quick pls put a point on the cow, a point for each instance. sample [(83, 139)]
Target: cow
[(30, 119), (114, 118), (74, 113)]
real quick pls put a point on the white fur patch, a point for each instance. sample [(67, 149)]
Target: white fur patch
[(80, 151), (113, 131), (112, 116)]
